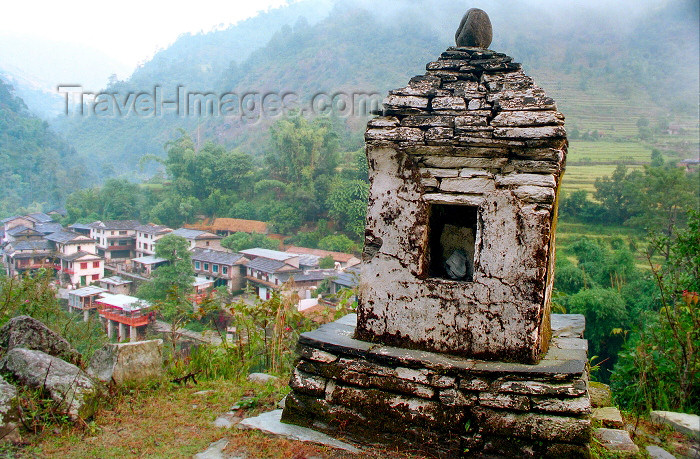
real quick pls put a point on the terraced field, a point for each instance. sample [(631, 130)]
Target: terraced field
[(613, 110)]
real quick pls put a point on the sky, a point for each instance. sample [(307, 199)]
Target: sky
[(127, 31)]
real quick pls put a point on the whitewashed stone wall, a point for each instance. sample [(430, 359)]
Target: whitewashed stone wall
[(474, 131)]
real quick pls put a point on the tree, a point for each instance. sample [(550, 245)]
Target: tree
[(326, 262), (242, 241), (347, 204), (176, 275), (337, 243), (606, 321), (659, 366)]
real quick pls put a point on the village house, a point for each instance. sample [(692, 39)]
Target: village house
[(146, 237), (201, 239), (76, 257), (84, 299), (123, 311), (21, 256), (343, 260), (22, 233), (40, 217), (268, 269), (224, 268), (49, 227), (81, 228), (12, 222), (116, 239), (146, 264), (116, 285)]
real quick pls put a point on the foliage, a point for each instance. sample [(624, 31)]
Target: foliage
[(326, 262), (174, 278), (242, 241), (35, 295), (661, 358), (337, 243), (37, 167)]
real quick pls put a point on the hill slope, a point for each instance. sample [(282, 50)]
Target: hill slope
[(606, 68)]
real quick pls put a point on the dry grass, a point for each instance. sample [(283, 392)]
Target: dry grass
[(168, 421)]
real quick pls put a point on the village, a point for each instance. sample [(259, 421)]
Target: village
[(99, 266)]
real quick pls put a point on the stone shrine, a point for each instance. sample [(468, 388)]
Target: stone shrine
[(453, 351)]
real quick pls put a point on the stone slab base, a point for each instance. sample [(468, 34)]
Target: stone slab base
[(443, 405)]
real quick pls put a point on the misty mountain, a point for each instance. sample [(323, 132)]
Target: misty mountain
[(641, 60), (36, 165)]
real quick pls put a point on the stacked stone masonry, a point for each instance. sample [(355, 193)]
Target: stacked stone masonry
[(473, 131), (446, 406)]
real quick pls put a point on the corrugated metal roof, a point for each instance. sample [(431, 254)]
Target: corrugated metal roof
[(267, 253)]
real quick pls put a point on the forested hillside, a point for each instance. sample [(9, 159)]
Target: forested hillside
[(607, 68), (36, 165)]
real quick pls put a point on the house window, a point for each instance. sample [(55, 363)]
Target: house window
[(95, 264), (196, 265), (112, 232), (206, 266), (79, 247), (224, 270), (83, 265), (122, 232), (207, 243), (451, 235), (95, 276)]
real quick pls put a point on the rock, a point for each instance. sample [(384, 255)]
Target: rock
[(227, 420), (600, 394), (657, 452), (29, 333), (261, 378), (475, 29), (128, 362), (66, 384), (609, 416), (687, 424), (216, 451), (270, 423), (9, 416), (615, 440), (204, 392)]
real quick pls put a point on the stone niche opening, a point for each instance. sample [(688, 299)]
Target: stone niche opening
[(451, 239)]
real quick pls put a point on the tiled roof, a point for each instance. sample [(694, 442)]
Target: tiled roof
[(82, 226), (310, 261), (63, 237), (153, 229), (77, 255), (194, 234), (9, 219), (337, 256), (267, 253), (269, 266), (40, 217), (315, 275), (347, 279), (116, 224), (41, 244), (19, 229), (216, 256), (48, 228)]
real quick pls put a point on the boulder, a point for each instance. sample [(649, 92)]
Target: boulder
[(475, 29), (29, 333), (615, 440), (687, 424), (9, 416), (609, 416), (128, 362), (69, 386), (261, 378)]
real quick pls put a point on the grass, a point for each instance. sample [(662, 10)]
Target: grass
[(169, 421)]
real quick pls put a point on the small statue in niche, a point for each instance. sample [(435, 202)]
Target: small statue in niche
[(457, 244)]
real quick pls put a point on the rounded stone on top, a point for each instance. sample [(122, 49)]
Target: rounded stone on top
[(475, 30)]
